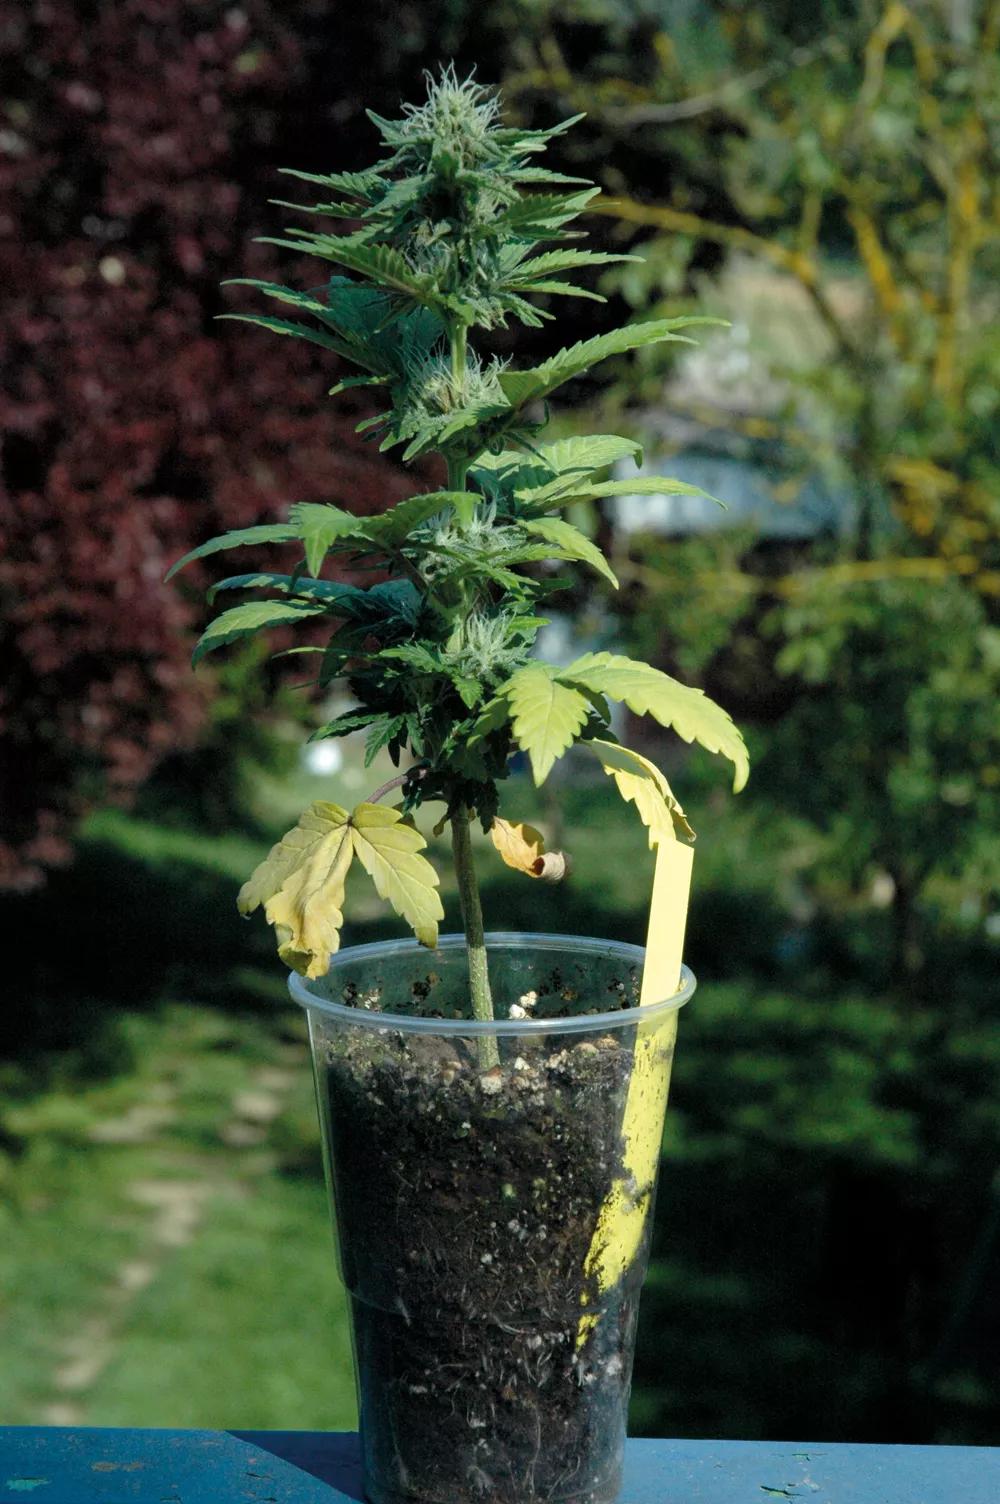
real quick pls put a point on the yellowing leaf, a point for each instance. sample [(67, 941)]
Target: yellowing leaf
[(301, 885), (648, 691), (640, 782), (520, 846), (547, 715), (301, 880), (389, 850)]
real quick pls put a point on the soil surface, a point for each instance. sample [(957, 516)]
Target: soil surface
[(466, 1204)]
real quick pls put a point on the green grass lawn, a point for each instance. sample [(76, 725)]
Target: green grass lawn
[(165, 1254)]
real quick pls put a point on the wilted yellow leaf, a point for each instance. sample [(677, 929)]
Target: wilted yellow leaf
[(301, 880), (641, 782), (301, 885), (521, 846)]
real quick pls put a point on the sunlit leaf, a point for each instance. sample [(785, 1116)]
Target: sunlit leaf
[(572, 544), (547, 715), (640, 782), (244, 621), (526, 386), (320, 525), (648, 691), (642, 485), (389, 850), (383, 263), (549, 263)]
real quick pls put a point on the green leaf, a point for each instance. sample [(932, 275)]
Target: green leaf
[(547, 715), (301, 884), (350, 382), (416, 655), (342, 210), (525, 386), (289, 326), (640, 782), (362, 184), (243, 537), (572, 544), (543, 210), (382, 732), (381, 263), (522, 140), (470, 690), (567, 290), (301, 300), (530, 316), (588, 452), (435, 432), (553, 470), (643, 485), (528, 625), (391, 600), (544, 175), (392, 527), (243, 621), (330, 591), (321, 525), (551, 262), (648, 691), (343, 725), (494, 715), (389, 851)]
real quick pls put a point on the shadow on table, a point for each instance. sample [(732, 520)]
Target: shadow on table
[(332, 1457)]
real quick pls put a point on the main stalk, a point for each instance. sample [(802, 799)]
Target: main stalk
[(475, 939), (461, 842)]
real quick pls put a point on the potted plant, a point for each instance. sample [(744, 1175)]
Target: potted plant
[(492, 1105)]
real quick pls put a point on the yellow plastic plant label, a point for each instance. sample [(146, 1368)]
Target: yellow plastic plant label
[(622, 1219)]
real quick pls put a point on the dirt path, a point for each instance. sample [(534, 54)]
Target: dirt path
[(173, 1208)]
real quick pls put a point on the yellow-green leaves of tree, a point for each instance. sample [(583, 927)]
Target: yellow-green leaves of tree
[(301, 880)]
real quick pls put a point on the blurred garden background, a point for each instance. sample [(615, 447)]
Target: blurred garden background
[(825, 177)]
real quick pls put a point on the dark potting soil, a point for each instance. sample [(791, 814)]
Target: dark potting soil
[(466, 1204)]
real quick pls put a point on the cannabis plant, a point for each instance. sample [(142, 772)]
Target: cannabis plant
[(455, 229)]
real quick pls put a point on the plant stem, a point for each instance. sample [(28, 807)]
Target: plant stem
[(472, 919), (461, 843), (459, 340), (459, 345), (456, 475)]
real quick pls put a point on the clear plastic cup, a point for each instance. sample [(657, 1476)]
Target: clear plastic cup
[(493, 1349)]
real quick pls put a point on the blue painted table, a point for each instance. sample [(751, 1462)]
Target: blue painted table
[(43, 1465)]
